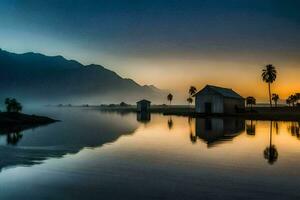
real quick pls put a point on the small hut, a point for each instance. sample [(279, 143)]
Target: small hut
[(213, 99), (143, 105)]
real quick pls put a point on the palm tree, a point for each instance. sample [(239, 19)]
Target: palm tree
[(269, 75), (170, 98), (250, 101), (189, 100), (275, 98), (192, 90), (292, 100)]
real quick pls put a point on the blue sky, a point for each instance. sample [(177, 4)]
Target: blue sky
[(151, 40)]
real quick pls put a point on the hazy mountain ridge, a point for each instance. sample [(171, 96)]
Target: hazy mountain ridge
[(54, 79)]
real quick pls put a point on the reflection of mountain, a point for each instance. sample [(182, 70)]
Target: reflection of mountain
[(217, 130), (27, 77), (74, 133)]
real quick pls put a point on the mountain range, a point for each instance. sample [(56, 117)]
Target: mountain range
[(34, 77)]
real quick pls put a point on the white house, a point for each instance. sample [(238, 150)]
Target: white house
[(213, 99)]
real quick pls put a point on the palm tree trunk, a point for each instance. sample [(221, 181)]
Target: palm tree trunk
[(270, 94)]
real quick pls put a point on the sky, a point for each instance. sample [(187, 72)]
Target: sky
[(171, 44)]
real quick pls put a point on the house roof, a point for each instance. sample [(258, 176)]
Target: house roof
[(143, 101), (225, 92)]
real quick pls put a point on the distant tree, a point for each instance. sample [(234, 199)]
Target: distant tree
[(292, 99), (12, 105), (298, 97), (275, 98), (250, 101), (288, 101), (189, 100), (123, 104), (192, 90), (170, 98), (269, 75)]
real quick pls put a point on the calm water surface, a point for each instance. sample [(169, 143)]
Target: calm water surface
[(96, 155)]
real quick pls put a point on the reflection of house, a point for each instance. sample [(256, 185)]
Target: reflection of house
[(143, 105), (212, 99), (216, 130), (143, 117)]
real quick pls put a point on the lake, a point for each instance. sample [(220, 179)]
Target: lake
[(102, 155)]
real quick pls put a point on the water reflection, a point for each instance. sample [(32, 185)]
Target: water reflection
[(294, 129), (271, 153), (170, 123), (144, 117), (135, 155), (91, 129), (251, 128), (217, 130), (13, 138)]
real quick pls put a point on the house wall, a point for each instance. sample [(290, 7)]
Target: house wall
[(208, 96), (143, 107), (230, 105)]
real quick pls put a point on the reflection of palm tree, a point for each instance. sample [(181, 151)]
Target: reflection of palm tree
[(251, 129), (13, 138), (271, 153), (170, 123), (250, 101), (294, 129), (276, 127), (193, 137)]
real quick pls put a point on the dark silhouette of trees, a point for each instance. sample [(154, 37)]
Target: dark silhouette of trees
[(298, 97), (288, 101), (271, 153), (170, 98), (250, 101), (251, 128), (12, 105), (292, 99), (170, 123), (275, 98), (192, 90), (189, 100), (13, 138), (269, 75)]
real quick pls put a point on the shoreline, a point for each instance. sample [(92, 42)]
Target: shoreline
[(258, 113), (17, 122)]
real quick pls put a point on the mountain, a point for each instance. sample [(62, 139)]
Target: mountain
[(54, 79)]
